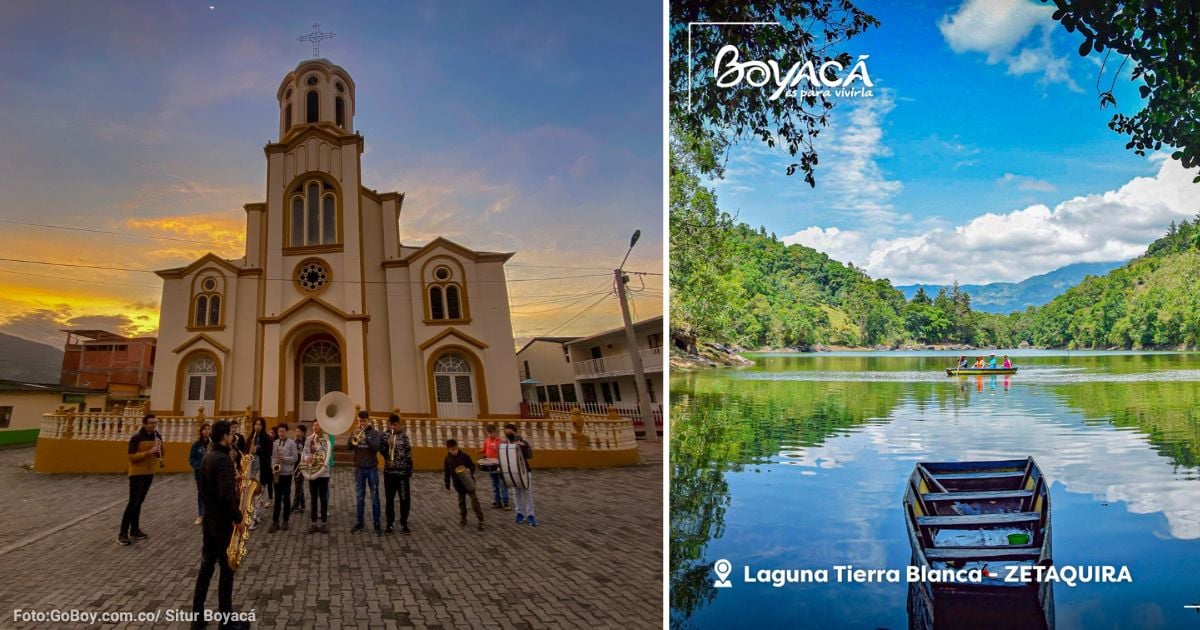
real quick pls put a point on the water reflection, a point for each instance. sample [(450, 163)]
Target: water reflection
[(788, 465)]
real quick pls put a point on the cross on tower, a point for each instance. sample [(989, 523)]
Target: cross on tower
[(315, 37)]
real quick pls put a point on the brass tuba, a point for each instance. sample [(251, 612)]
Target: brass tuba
[(335, 412), (316, 456), (247, 492)]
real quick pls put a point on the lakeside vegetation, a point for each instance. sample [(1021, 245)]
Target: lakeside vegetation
[(739, 286)]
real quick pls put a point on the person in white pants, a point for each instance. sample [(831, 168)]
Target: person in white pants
[(523, 496)]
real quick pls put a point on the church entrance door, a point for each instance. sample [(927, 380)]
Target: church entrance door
[(455, 385), (201, 386), (320, 373)]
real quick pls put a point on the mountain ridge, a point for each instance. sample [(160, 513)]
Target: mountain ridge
[(29, 361), (1037, 290)]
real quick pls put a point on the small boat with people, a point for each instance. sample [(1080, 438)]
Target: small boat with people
[(981, 367), (989, 516), (979, 371)]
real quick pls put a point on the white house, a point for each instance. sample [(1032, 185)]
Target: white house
[(594, 371), (329, 297)]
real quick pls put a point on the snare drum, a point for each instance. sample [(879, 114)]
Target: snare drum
[(489, 464)]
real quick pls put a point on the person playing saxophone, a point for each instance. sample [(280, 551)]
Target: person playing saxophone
[(221, 514), (397, 470)]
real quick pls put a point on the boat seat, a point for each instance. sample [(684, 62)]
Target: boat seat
[(1007, 474), (983, 495), (976, 520), (1024, 552)]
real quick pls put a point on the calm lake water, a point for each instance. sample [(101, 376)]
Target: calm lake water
[(800, 462)]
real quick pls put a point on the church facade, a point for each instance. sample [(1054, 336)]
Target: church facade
[(328, 297)]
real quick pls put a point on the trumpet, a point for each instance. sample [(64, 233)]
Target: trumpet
[(357, 437)]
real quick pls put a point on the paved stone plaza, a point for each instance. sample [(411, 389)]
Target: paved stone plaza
[(594, 561)]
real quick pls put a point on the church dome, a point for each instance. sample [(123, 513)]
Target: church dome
[(316, 92)]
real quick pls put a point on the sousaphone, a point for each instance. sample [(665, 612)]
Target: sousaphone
[(335, 413)]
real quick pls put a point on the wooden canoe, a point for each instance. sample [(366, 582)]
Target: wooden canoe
[(979, 371), (959, 515)]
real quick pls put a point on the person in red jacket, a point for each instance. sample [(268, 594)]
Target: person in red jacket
[(491, 450)]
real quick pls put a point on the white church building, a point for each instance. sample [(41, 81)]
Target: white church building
[(328, 296)]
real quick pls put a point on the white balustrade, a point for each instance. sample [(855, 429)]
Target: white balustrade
[(119, 426)]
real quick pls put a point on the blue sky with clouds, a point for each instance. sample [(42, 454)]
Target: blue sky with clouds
[(982, 156), (528, 127)]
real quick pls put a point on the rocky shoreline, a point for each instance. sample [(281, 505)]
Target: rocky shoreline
[(703, 355)]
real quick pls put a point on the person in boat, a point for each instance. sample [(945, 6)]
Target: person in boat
[(962, 362), (1007, 363), (979, 363), (991, 364)]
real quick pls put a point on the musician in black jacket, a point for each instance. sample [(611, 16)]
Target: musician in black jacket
[(221, 513), (365, 443), (455, 458), (397, 470), (237, 444)]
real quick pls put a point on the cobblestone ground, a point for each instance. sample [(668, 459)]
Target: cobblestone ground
[(594, 561)]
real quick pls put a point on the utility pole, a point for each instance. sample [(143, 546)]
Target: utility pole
[(631, 346)]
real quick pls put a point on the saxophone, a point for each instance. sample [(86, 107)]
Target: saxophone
[(247, 492)]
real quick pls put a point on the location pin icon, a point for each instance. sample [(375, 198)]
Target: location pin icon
[(722, 568)]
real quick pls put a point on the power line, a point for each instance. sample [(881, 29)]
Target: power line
[(577, 316), (558, 267), (242, 243), (95, 231), (597, 291), (393, 282), (115, 284)]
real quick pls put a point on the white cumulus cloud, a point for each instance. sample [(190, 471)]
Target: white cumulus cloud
[(1113, 225), (1001, 30)]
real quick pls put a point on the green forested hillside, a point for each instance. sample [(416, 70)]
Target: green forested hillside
[(734, 284), (1151, 302)]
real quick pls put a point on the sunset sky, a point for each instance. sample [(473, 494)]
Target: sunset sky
[(535, 129)]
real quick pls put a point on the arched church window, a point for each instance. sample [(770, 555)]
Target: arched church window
[(313, 215), (201, 309), (312, 236), (328, 218), (340, 112), (312, 109), (214, 310), (436, 309), (322, 352), (452, 307), (206, 304), (447, 301), (287, 118)]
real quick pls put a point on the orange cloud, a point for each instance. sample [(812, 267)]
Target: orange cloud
[(220, 233)]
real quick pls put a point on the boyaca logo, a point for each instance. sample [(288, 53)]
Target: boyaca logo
[(731, 72)]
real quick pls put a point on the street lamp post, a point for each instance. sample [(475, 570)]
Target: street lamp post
[(631, 346)]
